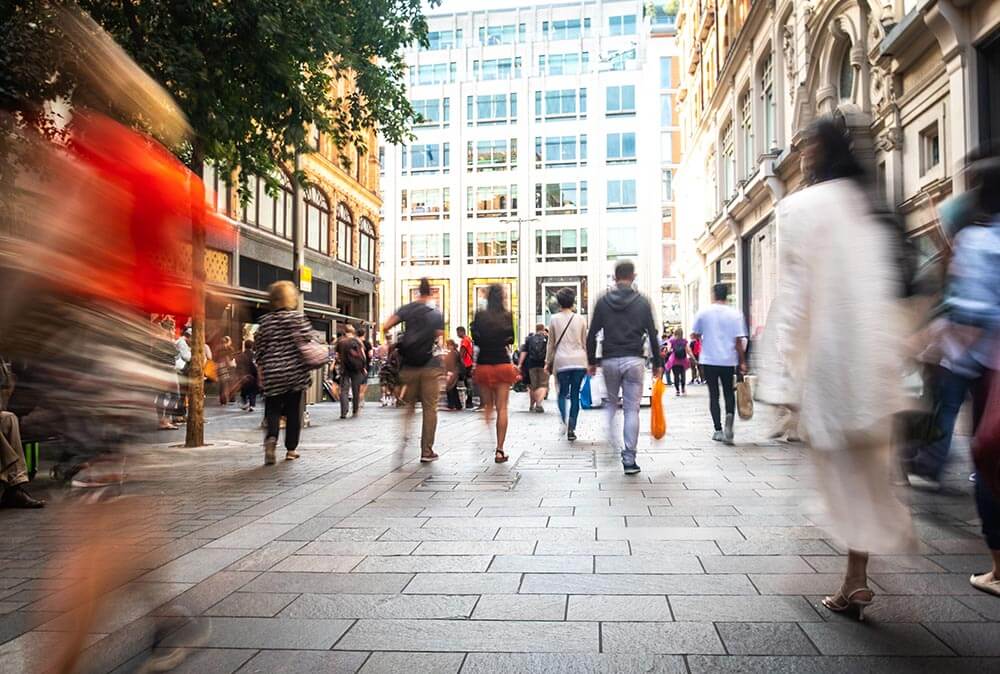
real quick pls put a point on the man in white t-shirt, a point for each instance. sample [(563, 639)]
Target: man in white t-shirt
[(722, 331)]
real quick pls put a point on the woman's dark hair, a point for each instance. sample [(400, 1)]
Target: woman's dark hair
[(566, 297), (494, 299), (834, 157)]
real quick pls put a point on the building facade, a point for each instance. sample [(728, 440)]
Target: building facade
[(534, 165), (339, 210), (915, 81)]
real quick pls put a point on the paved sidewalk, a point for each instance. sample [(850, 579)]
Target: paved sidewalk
[(358, 558)]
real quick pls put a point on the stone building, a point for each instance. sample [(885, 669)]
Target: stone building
[(917, 82)]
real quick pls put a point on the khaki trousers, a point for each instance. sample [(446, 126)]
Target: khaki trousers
[(423, 384), (12, 467)]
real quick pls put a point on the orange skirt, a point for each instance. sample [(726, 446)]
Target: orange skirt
[(496, 375)]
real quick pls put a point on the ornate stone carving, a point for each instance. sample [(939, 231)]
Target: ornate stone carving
[(882, 89), (788, 47), (890, 139)]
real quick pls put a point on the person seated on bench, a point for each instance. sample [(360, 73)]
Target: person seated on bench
[(13, 471)]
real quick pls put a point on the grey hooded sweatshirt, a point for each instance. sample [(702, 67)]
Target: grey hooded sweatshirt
[(625, 316)]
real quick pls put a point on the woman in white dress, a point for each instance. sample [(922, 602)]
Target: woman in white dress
[(837, 269)]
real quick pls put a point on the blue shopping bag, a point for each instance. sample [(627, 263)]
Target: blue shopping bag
[(585, 399)]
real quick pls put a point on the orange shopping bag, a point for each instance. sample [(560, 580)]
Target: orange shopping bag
[(658, 419)]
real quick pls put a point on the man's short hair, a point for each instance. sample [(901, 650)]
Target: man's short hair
[(425, 287), (460, 330), (539, 327), (720, 292), (624, 270), (566, 297)]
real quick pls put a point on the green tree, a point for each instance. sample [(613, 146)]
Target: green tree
[(251, 76)]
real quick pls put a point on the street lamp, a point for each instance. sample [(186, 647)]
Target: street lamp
[(523, 262)]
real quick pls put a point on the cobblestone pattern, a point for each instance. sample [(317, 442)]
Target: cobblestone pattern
[(358, 558)]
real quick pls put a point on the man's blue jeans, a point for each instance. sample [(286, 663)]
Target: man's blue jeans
[(624, 376), (569, 390), (951, 391)]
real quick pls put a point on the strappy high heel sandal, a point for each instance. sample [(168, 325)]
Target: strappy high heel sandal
[(858, 599), (501, 457)]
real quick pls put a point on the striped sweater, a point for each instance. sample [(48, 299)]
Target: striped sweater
[(277, 349)]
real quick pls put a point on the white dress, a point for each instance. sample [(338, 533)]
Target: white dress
[(833, 350)]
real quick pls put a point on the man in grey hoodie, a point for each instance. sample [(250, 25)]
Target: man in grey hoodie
[(626, 317)]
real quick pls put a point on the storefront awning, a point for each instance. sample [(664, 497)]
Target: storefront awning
[(258, 298)]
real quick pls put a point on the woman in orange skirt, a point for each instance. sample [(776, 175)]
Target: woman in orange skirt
[(493, 332)]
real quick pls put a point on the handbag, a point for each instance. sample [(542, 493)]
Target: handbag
[(744, 399), (211, 371), (314, 354), (657, 416), (986, 443)]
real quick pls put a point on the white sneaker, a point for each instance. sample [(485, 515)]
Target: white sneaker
[(718, 436), (986, 582)]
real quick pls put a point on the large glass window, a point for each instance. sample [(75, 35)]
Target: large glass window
[(217, 188), (563, 64), (621, 148), (846, 79), (666, 110), (620, 100), (769, 103), (746, 134), (443, 39), (507, 34), (560, 104), (623, 242), (423, 249), (491, 109), (623, 59), (491, 155), (561, 198), (565, 29), (666, 75), (345, 234), (429, 204), (554, 151), (433, 111), (621, 195), (622, 25), (491, 247), (667, 184), (270, 210), (728, 156), (317, 216), (561, 245), (366, 245), (427, 158), (496, 69), (433, 73), (491, 201)]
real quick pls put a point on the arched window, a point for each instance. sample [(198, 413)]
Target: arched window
[(345, 234), (271, 212), (845, 83), (317, 220), (366, 245)]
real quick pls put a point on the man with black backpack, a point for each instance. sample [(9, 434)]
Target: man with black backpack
[(532, 359), (421, 368), (353, 364)]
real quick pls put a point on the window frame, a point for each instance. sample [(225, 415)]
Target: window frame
[(311, 198), (622, 206), (621, 157), (345, 233), (544, 193)]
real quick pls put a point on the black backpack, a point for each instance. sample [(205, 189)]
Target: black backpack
[(355, 360), (680, 350), (416, 344), (537, 345)]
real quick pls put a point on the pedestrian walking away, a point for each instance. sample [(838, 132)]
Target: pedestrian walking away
[(420, 372), (695, 344), (532, 361), (246, 374), (624, 318), (839, 268), (283, 370), (678, 360), (453, 372), (466, 350), (722, 332), (566, 356), (352, 366), (493, 332)]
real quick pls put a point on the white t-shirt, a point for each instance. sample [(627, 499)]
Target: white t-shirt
[(719, 326)]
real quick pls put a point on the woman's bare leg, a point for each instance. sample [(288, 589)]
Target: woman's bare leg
[(500, 395)]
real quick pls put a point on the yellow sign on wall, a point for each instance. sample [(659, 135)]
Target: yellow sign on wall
[(305, 279)]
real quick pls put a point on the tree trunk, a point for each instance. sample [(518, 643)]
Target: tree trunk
[(196, 404)]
